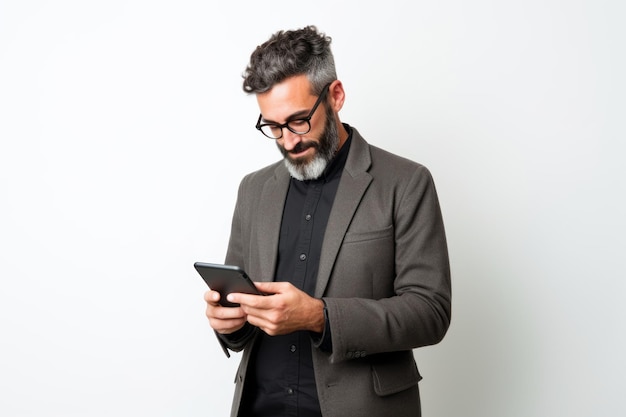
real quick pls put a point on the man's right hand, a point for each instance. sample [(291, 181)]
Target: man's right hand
[(224, 320)]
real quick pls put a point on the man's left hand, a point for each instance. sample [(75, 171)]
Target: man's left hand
[(285, 309)]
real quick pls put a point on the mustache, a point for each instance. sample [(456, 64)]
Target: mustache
[(303, 146)]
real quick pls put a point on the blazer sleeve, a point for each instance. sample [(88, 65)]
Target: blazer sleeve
[(417, 311), (234, 256)]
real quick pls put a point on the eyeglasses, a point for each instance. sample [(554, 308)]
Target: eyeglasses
[(297, 126)]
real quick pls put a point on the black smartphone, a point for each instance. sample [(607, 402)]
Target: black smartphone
[(226, 279)]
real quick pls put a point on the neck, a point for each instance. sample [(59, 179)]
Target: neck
[(343, 134)]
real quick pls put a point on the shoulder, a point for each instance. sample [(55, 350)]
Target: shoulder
[(261, 176), (391, 160), (385, 164)]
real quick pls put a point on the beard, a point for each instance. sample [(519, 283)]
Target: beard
[(313, 167)]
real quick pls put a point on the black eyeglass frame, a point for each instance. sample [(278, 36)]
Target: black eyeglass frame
[(307, 119)]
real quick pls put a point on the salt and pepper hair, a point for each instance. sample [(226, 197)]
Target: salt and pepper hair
[(287, 54)]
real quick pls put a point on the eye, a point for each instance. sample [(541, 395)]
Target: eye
[(273, 128), (299, 123)]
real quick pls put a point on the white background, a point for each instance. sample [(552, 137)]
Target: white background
[(124, 134)]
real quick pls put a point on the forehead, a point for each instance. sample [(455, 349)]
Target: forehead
[(286, 98)]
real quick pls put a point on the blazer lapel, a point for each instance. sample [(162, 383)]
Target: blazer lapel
[(270, 209), (354, 181)]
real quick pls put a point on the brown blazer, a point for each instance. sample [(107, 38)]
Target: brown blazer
[(384, 275)]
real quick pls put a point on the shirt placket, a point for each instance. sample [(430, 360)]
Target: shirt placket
[(294, 343), (307, 220)]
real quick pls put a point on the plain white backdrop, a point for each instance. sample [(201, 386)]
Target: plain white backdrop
[(124, 133)]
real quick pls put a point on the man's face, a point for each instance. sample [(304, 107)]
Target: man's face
[(306, 156)]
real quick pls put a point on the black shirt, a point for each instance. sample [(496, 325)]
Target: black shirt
[(280, 380)]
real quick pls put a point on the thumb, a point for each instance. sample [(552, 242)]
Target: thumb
[(270, 287)]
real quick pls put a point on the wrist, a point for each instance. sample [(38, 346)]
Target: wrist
[(318, 317)]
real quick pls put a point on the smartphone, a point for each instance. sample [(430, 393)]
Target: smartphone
[(226, 279)]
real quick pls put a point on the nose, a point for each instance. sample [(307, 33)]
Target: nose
[(290, 139)]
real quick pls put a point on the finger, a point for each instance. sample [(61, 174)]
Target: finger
[(272, 287), (249, 300), (227, 326), (212, 297), (268, 326), (225, 313)]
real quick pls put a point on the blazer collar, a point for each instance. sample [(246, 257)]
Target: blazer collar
[(354, 182), (270, 208)]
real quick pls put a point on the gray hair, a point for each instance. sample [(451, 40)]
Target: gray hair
[(287, 54)]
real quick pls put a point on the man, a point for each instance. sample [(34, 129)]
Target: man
[(348, 244)]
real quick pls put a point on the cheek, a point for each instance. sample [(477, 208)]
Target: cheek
[(280, 147), (318, 130)]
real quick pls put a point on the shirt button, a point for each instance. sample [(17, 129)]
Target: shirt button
[(303, 256), (308, 217), (292, 348), (290, 391)]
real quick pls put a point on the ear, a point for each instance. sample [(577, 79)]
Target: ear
[(336, 95)]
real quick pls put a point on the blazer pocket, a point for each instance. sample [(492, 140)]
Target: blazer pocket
[(354, 237), (394, 372)]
